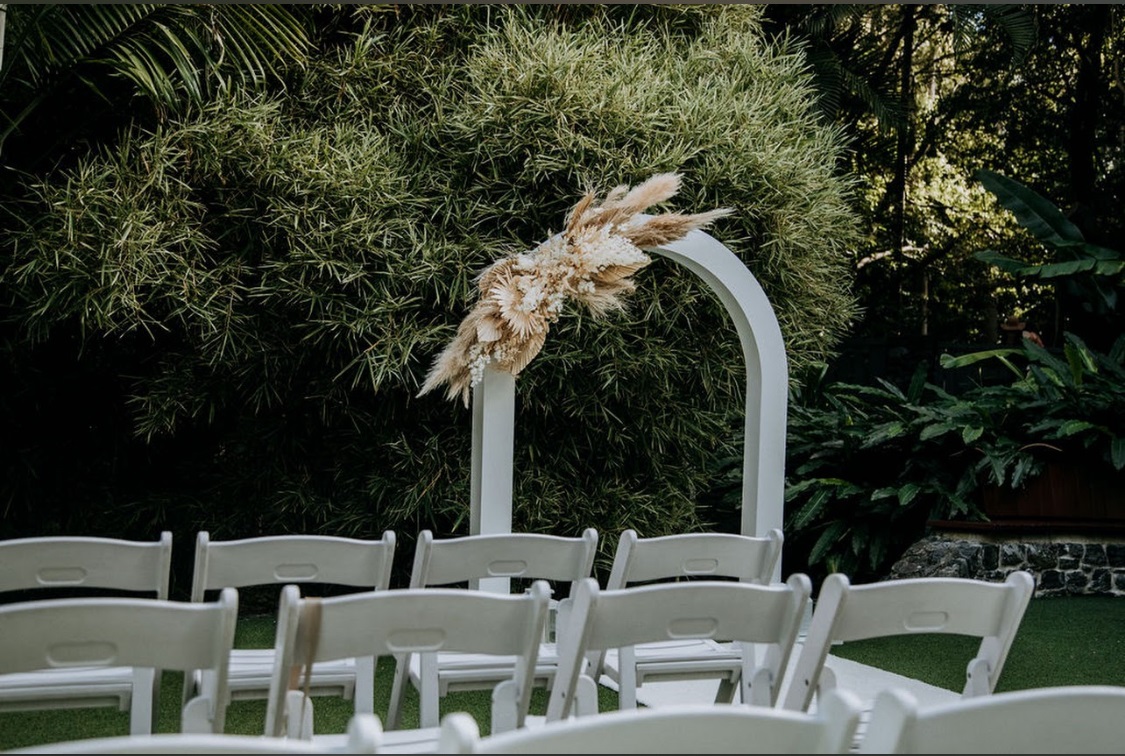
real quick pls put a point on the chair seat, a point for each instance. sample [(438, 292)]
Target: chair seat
[(465, 671), (692, 659), (70, 688), (250, 670)]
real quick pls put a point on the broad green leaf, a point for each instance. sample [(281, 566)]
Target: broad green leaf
[(829, 538), (884, 432), (1117, 452), (1004, 263), (1109, 268), (876, 552), (1080, 361), (1035, 213), (971, 433), (949, 361), (907, 493), (1071, 427), (810, 510), (1105, 254), (934, 430), (1067, 268)]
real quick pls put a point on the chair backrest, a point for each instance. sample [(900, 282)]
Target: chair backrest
[(701, 556), (107, 632), (284, 559), (674, 728), (364, 735), (532, 556), (745, 613), (402, 621), (709, 556), (82, 562), (1064, 719), (991, 611)]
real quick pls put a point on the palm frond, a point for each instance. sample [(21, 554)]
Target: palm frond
[(172, 54)]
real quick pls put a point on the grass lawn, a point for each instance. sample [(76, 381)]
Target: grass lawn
[(1062, 641)]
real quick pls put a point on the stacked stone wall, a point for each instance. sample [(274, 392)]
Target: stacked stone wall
[(1065, 566)]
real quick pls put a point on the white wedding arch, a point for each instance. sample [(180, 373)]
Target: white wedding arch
[(767, 377)]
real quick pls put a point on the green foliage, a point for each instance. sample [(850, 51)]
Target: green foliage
[(1092, 275), (868, 466), (170, 54), (264, 281)]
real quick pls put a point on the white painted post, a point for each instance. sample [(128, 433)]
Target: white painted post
[(490, 482)]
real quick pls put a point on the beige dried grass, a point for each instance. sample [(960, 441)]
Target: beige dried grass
[(591, 261)]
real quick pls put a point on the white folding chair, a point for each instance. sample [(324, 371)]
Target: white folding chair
[(359, 564), (1063, 719), (991, 611), (710, 556), (52, 566), (467, 560), (748, 614), (364, 736), (675, 728), (419, 621), (61, 634)]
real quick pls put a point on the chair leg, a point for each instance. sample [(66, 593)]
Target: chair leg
[(429, 714), (725, 693), (364, 685), (142, 709), (298, 715), (398, 690), (505, 707), (198, 716), (585, 697), (627, 677)]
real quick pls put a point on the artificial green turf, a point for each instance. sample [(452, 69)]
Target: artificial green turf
[(1074, 640), (331, 714)]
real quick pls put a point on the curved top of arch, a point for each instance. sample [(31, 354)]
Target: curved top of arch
[(767, 373), (767, 378)]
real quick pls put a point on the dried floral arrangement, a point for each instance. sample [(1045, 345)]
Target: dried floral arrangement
[(592, 261)]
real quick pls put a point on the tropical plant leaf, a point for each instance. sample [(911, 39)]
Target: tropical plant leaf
[(1005, 263), (1035, 213), (948, 361), (1065, 268), (884, 432), (1074, 427), (173, 54), (907, 493), (933, 430), (811, 509), (1117, 452), (971, 433), (827, 540)]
